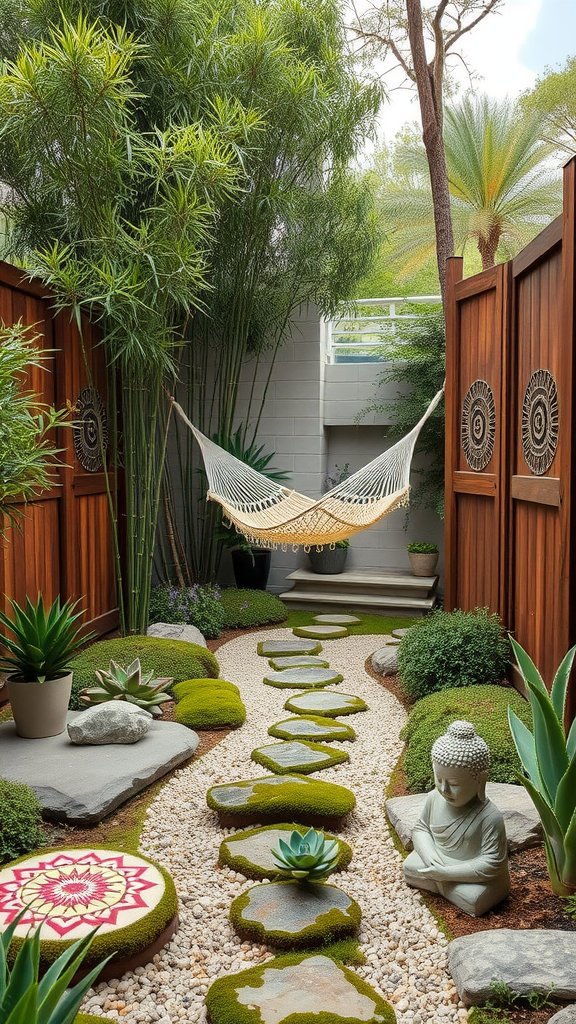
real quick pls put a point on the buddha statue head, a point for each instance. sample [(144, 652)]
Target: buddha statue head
[(460, 759)]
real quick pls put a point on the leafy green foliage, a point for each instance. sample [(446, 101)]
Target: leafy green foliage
[(199, 606), (119, 683), (40, 646), (554, 97), (20, 820), (548, 755), (448, 649), (421, 548), (245, 608), (310, 856), (210, 708), (484, 706)]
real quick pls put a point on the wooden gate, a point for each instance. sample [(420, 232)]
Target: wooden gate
[(65, 544)]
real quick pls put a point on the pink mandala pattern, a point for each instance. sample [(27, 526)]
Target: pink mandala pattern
[(72, 891)]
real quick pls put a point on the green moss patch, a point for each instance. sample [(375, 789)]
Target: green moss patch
[(303, 678), (297, 756), (319, 632), (211, 709), (312, 727), (376, 625), (87, 1018), (295, 914), (250, 852), (20, 820), (325, 704), (245, 608), (281, 798), (297, 990), (287, 648), (188, 686), (298, 661)]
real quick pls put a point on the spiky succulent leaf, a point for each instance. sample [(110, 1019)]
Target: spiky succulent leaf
[(309, 856)]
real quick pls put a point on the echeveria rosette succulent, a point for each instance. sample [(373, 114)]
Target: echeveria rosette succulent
[(128, 684), (309, 857)]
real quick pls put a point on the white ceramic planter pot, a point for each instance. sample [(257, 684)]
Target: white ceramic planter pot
[(39, 709), (423, 565)]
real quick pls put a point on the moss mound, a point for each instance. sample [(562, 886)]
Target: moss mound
[(486, 707), (20, 820), (266, 838), (188, 686), (174, 659), (211, 708), (313, 912), (245, 608), (281, 798), (293, 756)]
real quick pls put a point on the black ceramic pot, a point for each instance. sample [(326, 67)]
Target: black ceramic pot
[(251, 568), (328, 562)]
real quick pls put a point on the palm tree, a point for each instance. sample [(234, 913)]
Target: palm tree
[(503, 190)]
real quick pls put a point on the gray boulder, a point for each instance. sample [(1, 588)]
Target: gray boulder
[(112, 722), (177, 631), (527, 961), (385, 661), (565, 1016)]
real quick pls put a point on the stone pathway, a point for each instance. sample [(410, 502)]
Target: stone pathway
[(406, 954)]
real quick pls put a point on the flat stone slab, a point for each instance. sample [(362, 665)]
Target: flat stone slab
[(523, 827), (177, 631), (282, 989), (321, 632), (527, 961), (303, 678), (294, 914), (82, 784), (565, 1016), (312, 727), (385, 660), (281, 798), (287, 648), (325, 704), (399, 633), (297, 756), (337, 620), (251, 852), (298, 661)]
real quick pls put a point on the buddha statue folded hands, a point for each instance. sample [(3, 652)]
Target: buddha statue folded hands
[(460, 848)]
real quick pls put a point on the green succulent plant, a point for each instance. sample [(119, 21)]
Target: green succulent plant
[(128, 684), (41, 644), (309, 857)]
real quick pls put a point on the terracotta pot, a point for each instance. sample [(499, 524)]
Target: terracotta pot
[(39, 709), (329, 561), (423, 565)]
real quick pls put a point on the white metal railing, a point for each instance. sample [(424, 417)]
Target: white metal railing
[(362, 338)]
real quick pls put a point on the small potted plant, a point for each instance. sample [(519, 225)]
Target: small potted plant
[(39, 648), (329, 561), (423, 558)]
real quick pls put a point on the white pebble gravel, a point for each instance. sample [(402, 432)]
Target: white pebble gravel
[(406, 954)]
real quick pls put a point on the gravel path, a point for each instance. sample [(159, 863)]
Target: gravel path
[(406, 954)]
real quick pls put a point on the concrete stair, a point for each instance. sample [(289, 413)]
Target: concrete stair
[(391, 590)]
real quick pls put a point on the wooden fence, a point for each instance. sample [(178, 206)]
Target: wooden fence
[(65, 545), (510, 513)]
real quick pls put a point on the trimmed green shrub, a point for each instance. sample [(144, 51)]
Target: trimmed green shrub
[(174, 658), (448, 649), (199, 606), (211, 709), (245, 608), (20, 820), (486, 707), (188, 686)]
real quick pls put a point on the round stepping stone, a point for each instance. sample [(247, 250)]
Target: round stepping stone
[(280, 798), (298, 661), (312, 727), (337, 620), (294, 914), (290, 988), (297, 756), (69, 892), (321, 632), (303, 678), (399, 633), (251, 852), (325, 703), (287, 648)]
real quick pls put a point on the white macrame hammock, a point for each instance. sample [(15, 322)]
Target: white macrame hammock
[(269, 514)]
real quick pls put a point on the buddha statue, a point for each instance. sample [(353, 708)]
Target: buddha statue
[(460, 848)]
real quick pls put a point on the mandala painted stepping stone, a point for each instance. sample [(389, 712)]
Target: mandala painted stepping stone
[(303, 678), (251, 852), (289, 988), (297, 756), (321, 632), (312, 727), (337, 620), (294, 914), (281, 798), (287, 648), (69, 892), (325, 704), (298, 661)]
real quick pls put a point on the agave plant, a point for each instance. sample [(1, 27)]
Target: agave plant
[(309, 857), (40, 644), (548, 756), (128, 684)]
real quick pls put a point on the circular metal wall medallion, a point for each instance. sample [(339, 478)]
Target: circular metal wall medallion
[(90, 430), (478, 427), (540, 421)]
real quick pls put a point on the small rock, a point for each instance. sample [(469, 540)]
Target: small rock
[(177, 631), (527, 961), (385, 660), (565, 1016), (112, 722)]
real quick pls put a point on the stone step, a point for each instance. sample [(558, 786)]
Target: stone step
[(391, 591)]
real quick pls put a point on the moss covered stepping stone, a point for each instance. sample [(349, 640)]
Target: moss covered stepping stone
[(71, 891), (303, 678), (304, 989), (298, 661), (399, 633), (337, 620), (312, 727), (297, 756), (325, 704), (280, 798), (250, 852), (294, 914), (287, 648), (320, 632)]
